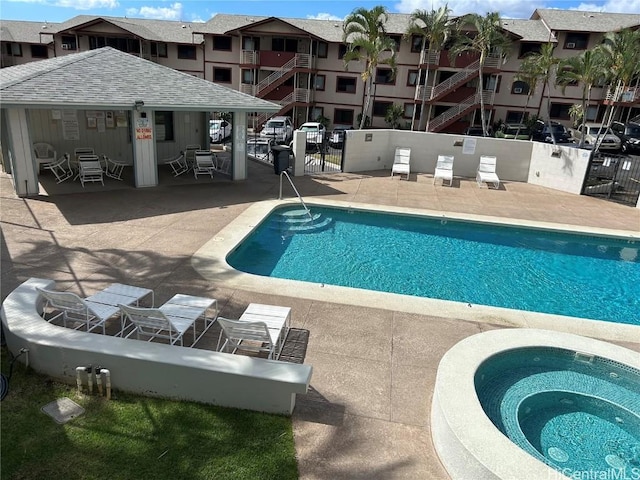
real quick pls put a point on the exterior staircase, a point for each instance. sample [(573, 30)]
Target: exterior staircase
[(459, 110)]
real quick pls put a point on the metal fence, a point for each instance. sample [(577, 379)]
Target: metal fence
[(613, 177), (323, 155)]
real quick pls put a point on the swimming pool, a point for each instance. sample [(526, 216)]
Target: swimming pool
[(526, 269)]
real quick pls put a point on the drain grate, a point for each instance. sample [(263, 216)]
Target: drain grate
[(63, 409)]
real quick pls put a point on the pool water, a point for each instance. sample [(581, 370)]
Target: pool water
[(574, 413), (518, 268)]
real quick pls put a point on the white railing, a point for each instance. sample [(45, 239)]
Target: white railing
[(430, 58), (250, 56), (459, 109), (300, 60), (248, 89), (298, 95), (461, 76), (623, 94)]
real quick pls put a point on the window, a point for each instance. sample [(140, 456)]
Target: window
[(164, 126), (221, 75), (412, 78), (528, 48), (159, 49), (69, 42), (346, 85), (320, 49), (187, 52), (279, 44), (515, 116), (39, 51), (560, 111), (222, 42), (251, 43), (416, 43), (576, 41), (127, 45), (380, 108), (342, 116), (342, 49), (14, 49), (319, 82), (397, 39), (316, 113), (385, 76), (247, 76), (520, 88), (409, 108)]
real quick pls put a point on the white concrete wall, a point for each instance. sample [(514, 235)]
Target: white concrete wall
[(514, 156), (565, 172), (146, 368)]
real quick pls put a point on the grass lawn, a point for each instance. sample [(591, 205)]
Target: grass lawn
[(134, 437)]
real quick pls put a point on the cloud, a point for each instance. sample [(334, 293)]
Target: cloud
[(609, 6), (75, 4), (324, 16), (173, 12), (507, 8)]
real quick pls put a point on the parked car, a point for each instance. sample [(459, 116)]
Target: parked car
[(606, 139), (280, 129), (260, 149), (477, 132), (541, 132), (316, 133), (629, 135), (219, 130), (519, 131), (336, 139)]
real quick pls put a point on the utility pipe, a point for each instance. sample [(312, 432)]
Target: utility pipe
[(107, 383), (79, 370), (98, 380)]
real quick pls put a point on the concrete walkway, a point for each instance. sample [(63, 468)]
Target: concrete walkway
[(367, 415)]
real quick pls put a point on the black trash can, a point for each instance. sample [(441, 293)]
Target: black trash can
[(280, 158)]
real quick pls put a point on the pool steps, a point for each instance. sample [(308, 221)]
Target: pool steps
[(298, 221)]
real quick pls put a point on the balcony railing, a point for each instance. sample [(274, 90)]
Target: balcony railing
[(623, 94), (251, 57), (430, 58), (300, 60)]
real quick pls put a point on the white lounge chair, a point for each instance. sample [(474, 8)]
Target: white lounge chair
[(487, 172), (204, 163), (94, 310), (171, 320), (113, 168), (249, 336), (60, 168), (401, 162), (178, 164), (444, 169), (77, 310), (90, 169)]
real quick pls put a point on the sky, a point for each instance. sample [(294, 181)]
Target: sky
[(203, 10)]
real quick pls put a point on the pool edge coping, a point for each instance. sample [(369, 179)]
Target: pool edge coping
[(210, 262)]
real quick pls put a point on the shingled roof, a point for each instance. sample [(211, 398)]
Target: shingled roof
[(27, 32), (579, 21), (154, 30), (528, 30), (108, 78)]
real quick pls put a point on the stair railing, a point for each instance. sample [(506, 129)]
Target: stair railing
[(304, 205)]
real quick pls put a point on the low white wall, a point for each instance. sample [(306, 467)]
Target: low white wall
[(565, 172), (149, 368), (374, 150)]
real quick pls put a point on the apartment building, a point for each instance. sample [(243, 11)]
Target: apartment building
[(298, 63)]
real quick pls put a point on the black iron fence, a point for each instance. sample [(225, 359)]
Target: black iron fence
[(613, 177), (322, 153)]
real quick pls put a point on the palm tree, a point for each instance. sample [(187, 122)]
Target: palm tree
[(621, 57), (528, 74), (435, 28), (489, 39), (393, 115), (541, 66), (585, 69), (365, 34)]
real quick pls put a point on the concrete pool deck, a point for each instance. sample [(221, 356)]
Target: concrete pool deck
[(367, 414)]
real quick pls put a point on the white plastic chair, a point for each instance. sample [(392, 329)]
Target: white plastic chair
[(444, 169), (178, 164), (487, 172), (113, 168), (45, 153), (401, 162), (204, 163)]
